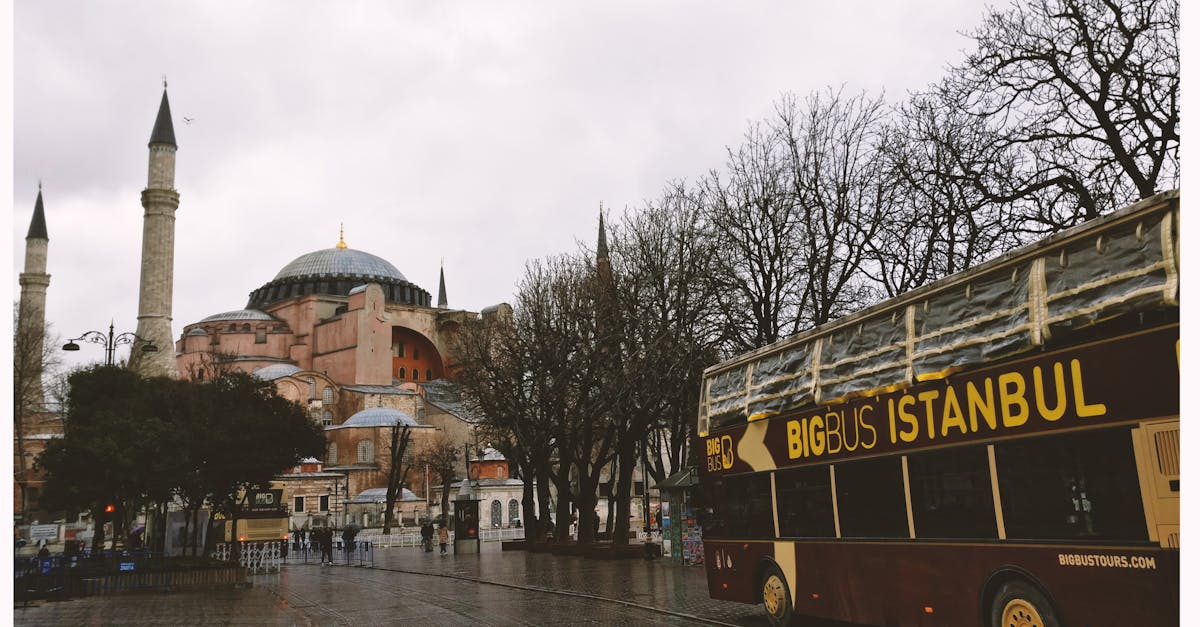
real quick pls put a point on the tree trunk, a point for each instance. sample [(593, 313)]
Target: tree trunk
[(544, 502), (627, 457), (562, 482), (98, 532)]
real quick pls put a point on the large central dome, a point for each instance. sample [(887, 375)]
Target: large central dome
[(335, 272), (339, 262)]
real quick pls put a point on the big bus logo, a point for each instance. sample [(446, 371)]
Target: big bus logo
[(719, 453)]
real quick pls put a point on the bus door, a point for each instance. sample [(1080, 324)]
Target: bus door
[(1156, 445)]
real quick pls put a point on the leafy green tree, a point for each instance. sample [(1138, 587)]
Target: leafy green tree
[(130, 442)]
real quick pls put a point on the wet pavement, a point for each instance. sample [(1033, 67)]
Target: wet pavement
[(410, 587)]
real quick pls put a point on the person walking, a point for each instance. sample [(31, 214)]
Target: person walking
[(324, 537), (427, 536), (443, 535)]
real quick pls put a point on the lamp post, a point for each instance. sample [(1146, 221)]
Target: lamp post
[(110, 342)]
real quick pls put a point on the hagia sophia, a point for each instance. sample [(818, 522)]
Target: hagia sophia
[(341, 331)]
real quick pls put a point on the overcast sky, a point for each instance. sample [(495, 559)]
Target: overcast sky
[(484, 133)]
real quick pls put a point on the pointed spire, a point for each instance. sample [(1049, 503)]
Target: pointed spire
[(164, 130), (341, 235), (442, 286), (37, 226), (601, 240)]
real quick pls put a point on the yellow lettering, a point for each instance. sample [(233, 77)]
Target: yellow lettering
[(857, 431), (833, 432), (908, 417), (1082, 408), (726, 452), (867, 426), (952, 414), (795, 444), (1060, 389), (929, 396), (978, 407), (816, 435), (1012, 396), (892, 420)]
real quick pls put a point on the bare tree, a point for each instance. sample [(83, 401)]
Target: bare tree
[(835, 183), (668, 331), (397, 472), (498, 382), (761, 272), (1082, 99), (440, 457), (35, 361), (938, 222)]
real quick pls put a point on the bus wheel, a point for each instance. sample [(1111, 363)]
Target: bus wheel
[(1019, 604), (776, 597)]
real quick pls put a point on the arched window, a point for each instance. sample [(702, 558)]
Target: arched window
[(416, 375), (327, 418), (331, 456), (514, 511), (327, 395), (497, 512), (366, 452), (428, 374), (312, 388), (400, 372)]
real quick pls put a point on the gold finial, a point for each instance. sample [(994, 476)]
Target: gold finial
[(341, 235)]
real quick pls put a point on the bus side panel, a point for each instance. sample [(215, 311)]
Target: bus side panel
[(941, 584), (732, 567)]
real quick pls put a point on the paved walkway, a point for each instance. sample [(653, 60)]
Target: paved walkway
[(409, 586)]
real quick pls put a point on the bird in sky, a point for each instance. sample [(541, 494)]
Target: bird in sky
[(187, 120)]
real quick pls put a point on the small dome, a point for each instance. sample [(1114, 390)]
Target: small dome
[(380, 417), (340, 262), (275, 371), (198, 331), (379, 495), (492, 455), (240, 314)]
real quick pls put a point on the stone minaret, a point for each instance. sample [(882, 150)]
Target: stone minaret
[(158, 253), (31, 316)]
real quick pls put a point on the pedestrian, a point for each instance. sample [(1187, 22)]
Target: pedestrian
[(443, 535), (324, 537), (427, 536)]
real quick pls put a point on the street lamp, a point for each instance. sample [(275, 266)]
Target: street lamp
[(110, 342)]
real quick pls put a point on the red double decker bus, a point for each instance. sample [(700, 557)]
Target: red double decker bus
[(1000, 447)]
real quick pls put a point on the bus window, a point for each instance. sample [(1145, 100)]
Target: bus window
[(870, 498), (1079, 485), (739, 507), (952, 493), (805, 503)]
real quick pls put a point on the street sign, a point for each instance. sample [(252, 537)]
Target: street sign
[(43, 532)]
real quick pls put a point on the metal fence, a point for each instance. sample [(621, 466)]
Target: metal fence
[(358, 553), (413, 538)]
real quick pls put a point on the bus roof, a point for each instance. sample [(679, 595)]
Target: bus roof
[(1120, 264)]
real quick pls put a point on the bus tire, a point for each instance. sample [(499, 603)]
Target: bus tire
[(775, 595), (1019, 603)]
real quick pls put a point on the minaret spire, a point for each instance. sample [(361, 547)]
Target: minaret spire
[(442, 286), (159, 200), (31, 312), (602, 240)]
